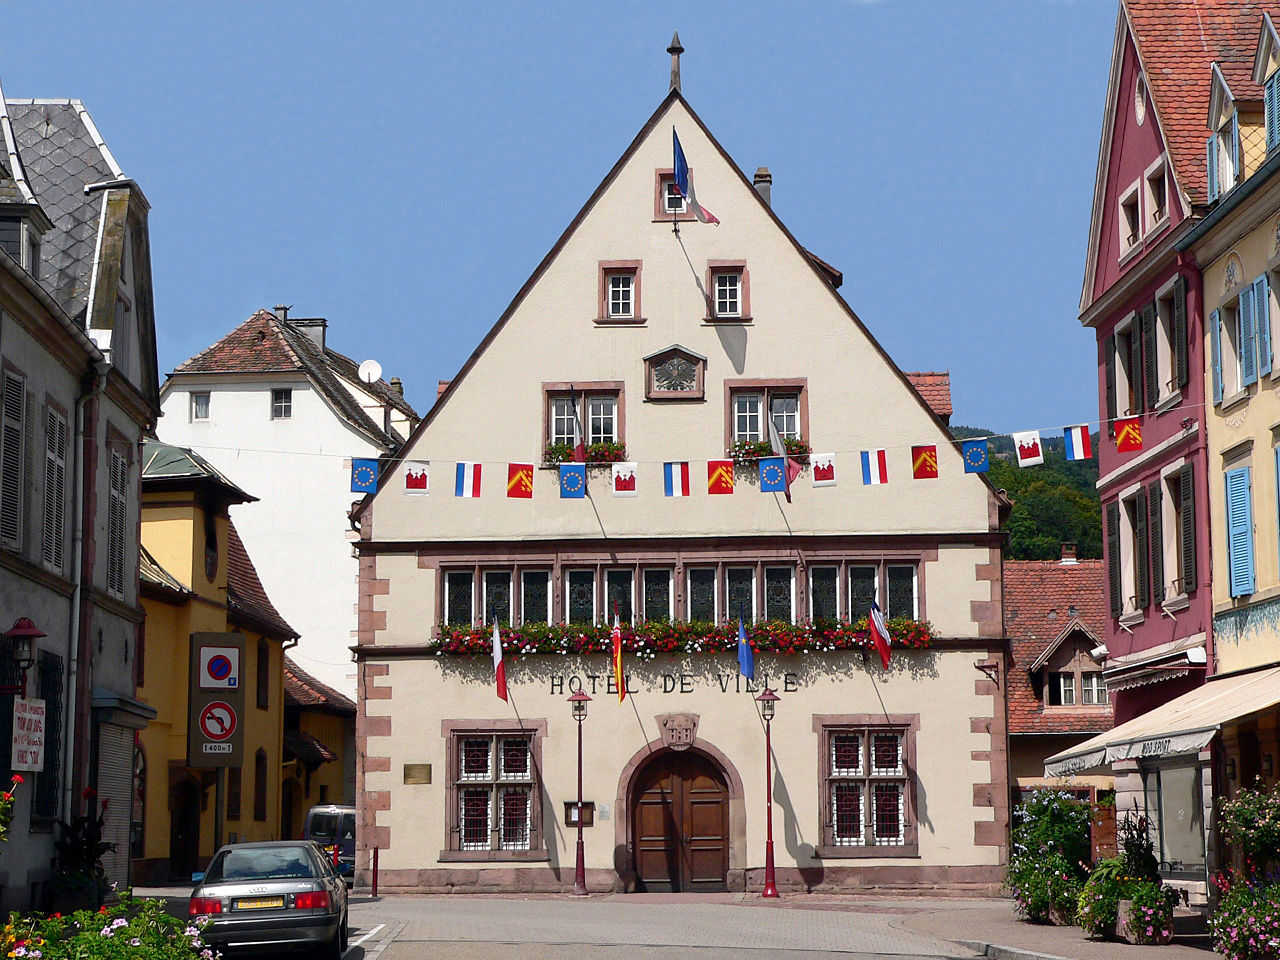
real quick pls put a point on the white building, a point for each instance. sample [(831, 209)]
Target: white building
[(272, 405)]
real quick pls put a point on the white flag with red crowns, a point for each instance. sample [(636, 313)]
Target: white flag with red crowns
[(1027, 447)]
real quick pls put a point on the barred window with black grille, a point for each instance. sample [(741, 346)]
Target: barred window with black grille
[(495, 781), (867, 793)]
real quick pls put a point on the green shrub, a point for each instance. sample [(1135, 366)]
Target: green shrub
[(133, 928), (1251, 822), (1151, 913), (1102, 892), (1044, 887), (1053, 821), (1246, 922)]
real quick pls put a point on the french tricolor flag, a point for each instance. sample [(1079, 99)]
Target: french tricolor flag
[(675, 479), (499, 668), (1076, 442), (874, 467), (466, 481)]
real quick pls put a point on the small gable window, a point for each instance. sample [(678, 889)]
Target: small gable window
[(11, 237), (668, 203), (199, 406), (281, 404), (1157, 195), (1130, 221), (728, 290), (619, 292), (1222, 158)]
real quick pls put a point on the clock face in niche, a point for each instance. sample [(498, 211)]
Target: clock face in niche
[(675, 373)]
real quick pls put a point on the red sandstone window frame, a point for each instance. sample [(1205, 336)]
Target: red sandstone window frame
[(719, 268), (608, 269), (661, 177), (454, 732), (584, 391), (799, 386), (866, 726)]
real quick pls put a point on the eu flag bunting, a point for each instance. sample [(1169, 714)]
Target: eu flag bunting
[(364, 476), (773, 475), (975, 456), (746, 656), (573, 481)]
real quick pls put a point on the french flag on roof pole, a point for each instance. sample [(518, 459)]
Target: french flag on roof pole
[(874, 467), (685, 187), (466, 481), (499, 668), (1076, 442), (675, 479)]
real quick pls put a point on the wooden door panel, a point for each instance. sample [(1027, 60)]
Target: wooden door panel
[(681, 824)]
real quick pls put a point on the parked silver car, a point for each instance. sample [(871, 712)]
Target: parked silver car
[(272, 897)]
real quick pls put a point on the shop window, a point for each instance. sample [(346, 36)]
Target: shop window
[(657, 595), (535, 596), (702, 595), (494, 810), (1174, 808), (868, 787)]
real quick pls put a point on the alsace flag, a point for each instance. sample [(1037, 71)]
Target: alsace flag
[(1128, 435), (746, 656), (616, 642), (924, 462), (417, 478), (364, 476), (685, 187), (624, 479), (520, 481), (879, 633), (719, 476), (824, 469), (675, 479), (573, 481), (1076, 442), (466, 479), (974, 453), (499, 668), (1027, 447), (875, 469), (773, 475)]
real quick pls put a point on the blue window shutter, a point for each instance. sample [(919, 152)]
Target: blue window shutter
[(1262, 316), (1211, 167), (1215, 334), (1248, 338), (1277, 455), (1235, 153), (1239, 532), (1271, 101)]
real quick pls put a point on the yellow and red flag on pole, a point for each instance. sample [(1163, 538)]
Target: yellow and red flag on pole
[(924, 462), (618, 679), (1128, 435)]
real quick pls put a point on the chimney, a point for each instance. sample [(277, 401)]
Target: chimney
[(441, 387), (313, 327), (281, 311), (763, 181), (397, 387), (1068, 555)]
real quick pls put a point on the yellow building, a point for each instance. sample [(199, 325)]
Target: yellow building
[(319, 748), (196, 577)]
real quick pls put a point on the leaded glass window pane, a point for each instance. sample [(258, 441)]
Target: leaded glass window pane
[(777, 593), (657, 594), (902, 592), (741, 589), (618, 594), (535, 606), (702, 594), (862, 591), (497, 596), (822, 592), (457, 598), (580, 595)]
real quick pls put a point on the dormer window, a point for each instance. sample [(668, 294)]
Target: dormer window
[(11, 237), (33, 254), (1157, 195), (1130, 222), (1222, 158)]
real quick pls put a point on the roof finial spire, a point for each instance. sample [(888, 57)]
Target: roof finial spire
[(675, 50)]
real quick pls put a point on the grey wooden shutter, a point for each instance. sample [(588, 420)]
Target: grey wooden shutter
[(1155, 531), (119, 480), (1113, 558), (1180, 330), (1109, 363), (45, 797), (13, 436), (1141, 581), (55, 485), (1186, 493), (1135, 366), (115, 787), (1151, 374)]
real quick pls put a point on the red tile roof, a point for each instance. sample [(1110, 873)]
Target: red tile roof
[(245, 594), (1177, 42), (935, 388), (303, 690), (1041, 597)]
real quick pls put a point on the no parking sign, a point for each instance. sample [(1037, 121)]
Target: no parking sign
[(215, 734), (219, 668)]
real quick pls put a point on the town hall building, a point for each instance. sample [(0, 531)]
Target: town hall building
[(557, 491)]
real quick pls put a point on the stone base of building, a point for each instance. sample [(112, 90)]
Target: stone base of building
[(961, 881)]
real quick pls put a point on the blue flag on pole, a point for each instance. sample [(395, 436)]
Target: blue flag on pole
[(364, 476), (746, 656)]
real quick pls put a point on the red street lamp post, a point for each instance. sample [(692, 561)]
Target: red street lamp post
[(579, 703), (768, 700)]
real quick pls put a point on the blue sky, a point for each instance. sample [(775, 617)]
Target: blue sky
[(400, 168)]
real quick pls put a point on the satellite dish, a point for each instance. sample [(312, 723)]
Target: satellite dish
[(370, 371)]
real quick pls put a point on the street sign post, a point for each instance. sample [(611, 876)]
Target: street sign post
[(215, 716)]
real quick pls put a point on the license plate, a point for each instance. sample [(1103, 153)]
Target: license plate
[(261, 903)]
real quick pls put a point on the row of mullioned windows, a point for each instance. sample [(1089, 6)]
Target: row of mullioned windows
[(590, 595), (200, 405)]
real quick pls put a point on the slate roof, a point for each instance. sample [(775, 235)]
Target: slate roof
[(266, 344), (935, 388), (303, 690), (1041, 597), (62, 152), (245, 593), (1177, 42)]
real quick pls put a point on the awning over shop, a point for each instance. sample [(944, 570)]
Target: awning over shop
[(1183, 725), (1177, 658)]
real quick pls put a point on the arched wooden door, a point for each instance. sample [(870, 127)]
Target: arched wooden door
[(680, 823)]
